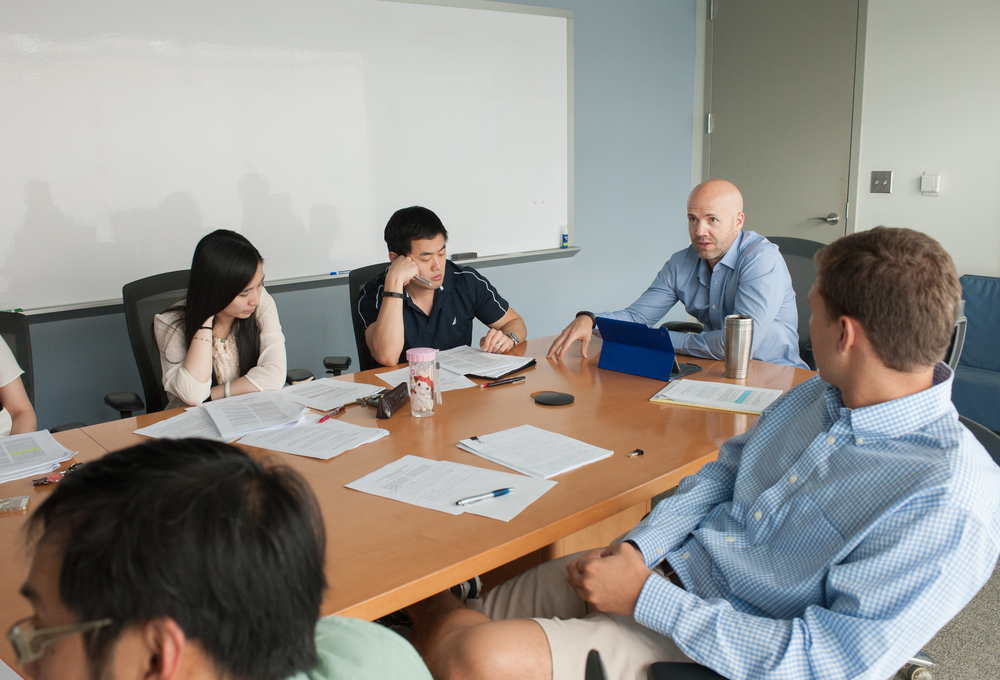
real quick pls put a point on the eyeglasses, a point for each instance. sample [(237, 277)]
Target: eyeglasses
[(30, 642)]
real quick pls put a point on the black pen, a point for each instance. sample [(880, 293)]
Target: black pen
[(508, 381)]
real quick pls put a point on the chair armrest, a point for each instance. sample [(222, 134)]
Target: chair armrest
[(298, 375), (683, 326), (67, 426), (126, 403), (337, 365)]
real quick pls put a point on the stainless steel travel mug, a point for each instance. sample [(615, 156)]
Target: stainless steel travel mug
[(738, 337)]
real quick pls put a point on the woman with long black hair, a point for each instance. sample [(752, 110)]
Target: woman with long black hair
[(224, 339)]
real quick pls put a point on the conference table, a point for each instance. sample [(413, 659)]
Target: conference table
[(383, 554)]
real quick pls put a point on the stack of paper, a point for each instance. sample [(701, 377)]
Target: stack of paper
[(327, 394), (237, 416), (440, 484), (533, 451), (194, 422), (718, 396), (315, 439), (448, 380), (467, 361), (33, 454)]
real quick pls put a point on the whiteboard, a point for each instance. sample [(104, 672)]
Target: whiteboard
[(133, 129)]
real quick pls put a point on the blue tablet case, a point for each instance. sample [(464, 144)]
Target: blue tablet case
[(637, 349)]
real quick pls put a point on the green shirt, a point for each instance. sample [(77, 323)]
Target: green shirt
[(352, 649)]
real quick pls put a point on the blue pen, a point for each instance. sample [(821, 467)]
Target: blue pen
[(342, 272), (484, 496)]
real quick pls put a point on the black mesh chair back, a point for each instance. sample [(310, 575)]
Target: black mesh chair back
[(14, 329), (355, 280), (143, 300), (798, 254)]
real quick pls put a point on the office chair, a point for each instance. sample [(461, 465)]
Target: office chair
[(798, 254), (144, 299), (355, 281), (16, 333)]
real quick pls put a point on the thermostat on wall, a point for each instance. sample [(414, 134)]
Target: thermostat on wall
[(930, 184)]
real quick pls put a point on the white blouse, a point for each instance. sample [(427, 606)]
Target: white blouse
[(182, 388), (8, 371)]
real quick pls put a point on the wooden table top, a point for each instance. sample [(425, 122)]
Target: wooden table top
[(383, 555)]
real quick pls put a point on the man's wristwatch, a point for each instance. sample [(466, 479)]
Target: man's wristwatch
[(513, 337), (593, 319)]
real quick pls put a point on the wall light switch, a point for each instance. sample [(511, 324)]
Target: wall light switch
[(930, 184), (881, 182)]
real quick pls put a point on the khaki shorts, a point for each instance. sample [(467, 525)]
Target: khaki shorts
[(573, 628)]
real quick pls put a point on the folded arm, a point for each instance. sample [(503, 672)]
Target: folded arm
[(908, 577)]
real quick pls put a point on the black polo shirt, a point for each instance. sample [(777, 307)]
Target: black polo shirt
[(464, 295)]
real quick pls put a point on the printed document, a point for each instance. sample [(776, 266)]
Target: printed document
[(315, 439), (534, 451), (7, 673), (237, 416), (449, 380), (327, 394), (32, 454), (440, 484), (719, 396), (468, 361), (193, 422)]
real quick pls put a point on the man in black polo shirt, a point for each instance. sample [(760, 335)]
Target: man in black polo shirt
[(400, 312)]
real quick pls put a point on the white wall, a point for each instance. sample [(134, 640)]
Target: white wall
[(932, 103)]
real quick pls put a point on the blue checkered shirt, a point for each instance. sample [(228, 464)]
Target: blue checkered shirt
[(825, 542), (751, 279)]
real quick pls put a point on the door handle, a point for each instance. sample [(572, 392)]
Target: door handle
[(832, 218)]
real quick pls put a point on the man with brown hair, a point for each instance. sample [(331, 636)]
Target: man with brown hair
[(832, 540)]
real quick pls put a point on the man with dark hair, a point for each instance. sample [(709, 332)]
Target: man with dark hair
[(189, 559), (400, 311), (724, 271), (832, 540)]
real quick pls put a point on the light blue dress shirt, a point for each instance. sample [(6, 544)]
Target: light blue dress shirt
[(825, 542), (750, 279)]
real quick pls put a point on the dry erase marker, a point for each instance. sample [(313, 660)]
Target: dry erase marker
[(506, 381), (484, 496)]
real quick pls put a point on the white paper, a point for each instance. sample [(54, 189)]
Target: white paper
[(448, 380), (7, 673), (193, 422), (439, 485), (30, 454), (315, 439), (237, 416), (327, 394), (717, 395), (534, 451), (468, 361)]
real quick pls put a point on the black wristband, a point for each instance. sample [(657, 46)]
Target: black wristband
[(387, 293), (593, 319)]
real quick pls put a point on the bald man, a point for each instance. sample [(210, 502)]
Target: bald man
[(724, 271)]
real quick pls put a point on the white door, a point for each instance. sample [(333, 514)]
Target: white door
[(781, 103)]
